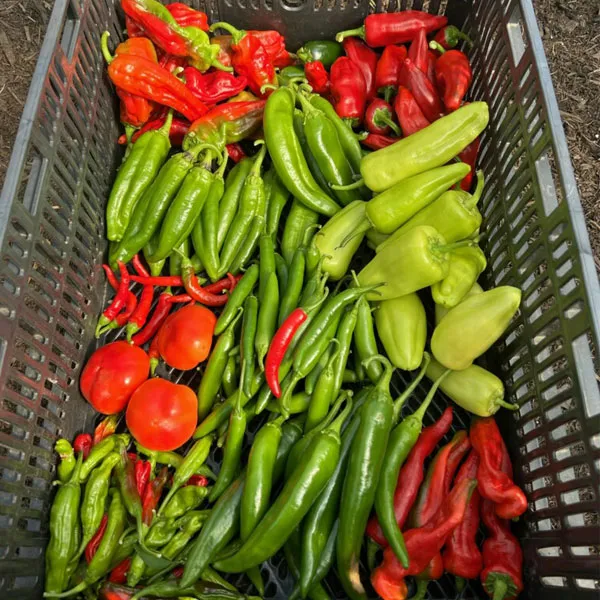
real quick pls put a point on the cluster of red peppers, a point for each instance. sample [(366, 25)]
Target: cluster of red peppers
[(440, 512)]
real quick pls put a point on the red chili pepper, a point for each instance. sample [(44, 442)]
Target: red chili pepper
[(317, 77), (502, 575), (187, 16), (181, 299), (379, 118), (387, 73), (139, 316), (279, 345), (130, 306), (214, 87), (432, 572), (119, 573), (161, 312), (132, 456), (348, 90), (408, 113), (195, 290), (143, 470), (93, 544), (366, 60), (83, 444), (106, 427), (179, 129), (494, 476), (152, 495), (119, 302), (170, 62), (422, 543), (469, 156), (461, 555), (411, 475), (383, 29), (177, 572), (154, 354), (419, 49), (235, 152), (422, 89), (197, 480), (453, 76), (376, 142), (133, 29), (139, 267), (450, 36)]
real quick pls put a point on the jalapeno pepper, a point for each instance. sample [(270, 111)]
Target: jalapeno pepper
[(325, 51)]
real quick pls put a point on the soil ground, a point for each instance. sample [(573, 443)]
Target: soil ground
[(571, 34)]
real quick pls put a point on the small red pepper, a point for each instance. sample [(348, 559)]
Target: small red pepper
[(197, 480), (411, 475), (179, 129), (118, 302), (235, 152), (495, 473), (453, 76), (83, 444), (450, 36), (387, 73), (379, 118), (214, 87), (187, 16), (161, 312), (143, 470), (383, 29), (92, 547), (154, 354), (152, 494), (418, 51), (317, 77), (123, 317), (195, 290), (279, 344), (408, 113), (348, 90), (374, 141), (366, 60), (139, 316), (422, 89), (250, 58), (119, 573), (106, 427)]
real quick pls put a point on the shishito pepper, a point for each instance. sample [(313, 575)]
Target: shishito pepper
[(402, 328), (466, 264), (476, 390), (429, 148), (470, 328)]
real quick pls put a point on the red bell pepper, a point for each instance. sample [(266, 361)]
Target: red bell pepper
[(419, 49), (469, 156), (422, 89), (379, 118), (214, 87), (408, 113), (450, 36), (453, 76), (387, 73), (348, 90), (383, 29), (317, 77), (373, 141), (187, 16), (366, 60)]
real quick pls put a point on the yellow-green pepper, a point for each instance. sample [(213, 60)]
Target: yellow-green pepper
[(470, 328), (442, 311), (402, 328)]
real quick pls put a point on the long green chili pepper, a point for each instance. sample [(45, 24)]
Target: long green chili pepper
[(174, 589), (255, 577), (322, 395), (267, 319), (265, 395), (291, 550), (344, 334), (241, 291), (189, 526), (171, 459), (295, 284), (68, 461), (312, 378), (299, 220), (125, 477), (247, 354), (365, 340), (157, 267), (311, 161), (100, 451), (248, 248), (231, 376), (360, 484), (282, 273), (278, 198), (267, 264), (175, 258)]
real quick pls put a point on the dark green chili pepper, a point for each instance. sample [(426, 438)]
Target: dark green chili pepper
[(156, 267), (137, 570), (64, 521), (267, 319), (100, 451), (282, 273), (206, 591), (185, 499), (252, 199), (344, 334), (312, 378), (67, 459), (295, 283), (265, 396), (247, 354), (248, 247), (289, 74), (125, 548), (171, 459), (325, 51), (255, 577), (311, 161), (299, 403), (323, 393), (215, 369), (299, 219), (175, 258), (229, 203), (365, 340), (241, 291), (278, 198), (362, 476), (230, 379), (222, 433), (210, 575), (267, 263)]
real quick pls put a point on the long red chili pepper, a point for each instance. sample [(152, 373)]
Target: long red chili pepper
[(119, 573), (422, 89), (93, 544), (120, 299), (195, 290), (143, 470), (387, 73), (152, 495), (227, 283), (140, 314), (139, 267), (106, 427), (408, 113), (279, 345), (366, 61), (348, 90), (179, 129), (419, 49), (161, 312), (453, 76), (375, 141), (83, 444), (130, 304)]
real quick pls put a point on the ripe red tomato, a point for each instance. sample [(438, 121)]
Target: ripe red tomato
[(112, 374), (162, 415), (185, 338)]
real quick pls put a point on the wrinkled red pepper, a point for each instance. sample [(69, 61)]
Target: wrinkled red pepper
[(187, 16), (119, 573), (387, 73), (366, 60), (408, 113), (235, 152), (214, 87), (152, 495), (179, 128), (133, 29), (93, 544), (170, 63), (453, 76), (450, 36), (106, 427), (348, 90), (422, 89), (272, 41), (143, 470), (317, 77), (418, 50), (83, 444), (374, 141), (379, 118), (469, 156)]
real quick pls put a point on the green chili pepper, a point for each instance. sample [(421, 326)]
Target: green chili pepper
[(156, 267), (64, 522), (229, 203), (311, 161), (241, 291), (288, 74), (429, 148), (337, 242), (323, 392), (298, 221), (298, 404), (287, 156), (247, 355), (185, 499), (292, 556), (171, 459), (267, 319), (466, 264), (100, 451), (252, 200), (299, 492), (442, 311), (202, 589), (134, 176), (364, 339), (402, 328), (188, 528), (325, 51), (267, 262), (67, 459), (282, 273), (470, 328), (161, 531), (215, 369), (195, 457), (175, 258), (311, 379), (137, 570), (278, 198), (248, 248), (295, 283), (362, 476), (265, 396), (230, 379), (344, 334)]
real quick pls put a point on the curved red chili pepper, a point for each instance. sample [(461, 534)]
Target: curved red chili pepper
[(140, 314), (450, 36), (152, 494), (195, 290), (118, 302), (92, 547), (143, 470), (235, 152), (119, 573), (379, 118), (179, 129), (469, 156), (161, 312)]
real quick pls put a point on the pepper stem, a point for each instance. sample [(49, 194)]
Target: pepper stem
[(352, 186), (317, 303), (217, 64), (108, 57), (236, 34), (72, 592), (455, 245), (437, 47), (382, 116), (460, 583), (307, 107), (360, 229), (386, 376), (476, 195), (260, 157), (411, 388), (507, 405), (500, 589), (336, 426), (421, 589), (453, 34), (420, 412), (358, 32)]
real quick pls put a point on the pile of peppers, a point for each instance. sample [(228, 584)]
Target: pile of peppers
[(284, 263)]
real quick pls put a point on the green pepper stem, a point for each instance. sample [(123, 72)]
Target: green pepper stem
[(411, 388), (259, 158), (507, 405), (420, 412), (166, 126), (108, 57), (500, 589), (455, 245), (358, 32), (381, 116), (352, 186), (454, 32), (359, 230), (460, 583), (307, 107), (217, 64), (476, 196), (318, 302), (386, 376), (236, 34), (335, 354), (72, 592), (437, 47), (336, 426)]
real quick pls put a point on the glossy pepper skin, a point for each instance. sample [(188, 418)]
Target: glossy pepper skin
[(409, 114), (453, 76), (472, 326), (379, 118), (187, 16), (177, 131), (366, 61), (374, 141), (387, 72), (469, 156), (431, 147), (384, 29), (214, 87), (418, 51), (317, 77), (325, 51), (348, 90), (422, 89)]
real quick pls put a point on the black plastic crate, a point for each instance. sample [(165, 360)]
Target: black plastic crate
[(52, 286)]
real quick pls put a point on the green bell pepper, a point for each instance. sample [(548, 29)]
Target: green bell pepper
[(402, 328), (470, 328), (442, 311)]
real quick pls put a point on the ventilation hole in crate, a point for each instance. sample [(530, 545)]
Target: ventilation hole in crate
[(560, 387), (16, 409), (7, 499), (535, 444), (580, 471), (560, 409), (593, 550), (538, 463), (36, 335), (20, 388), (37, 483), (39, 290), (570, 286), (557, 582), (587, 584), (20, 230), (527, 407), (58, 225), (574, 309), (12, 289), (37, 309), (28, 552), (550, 349), (52, 386), (574, 449), (17, 249), (49, 238), (553, 369), (25, 370), (595, 441), (547, 332), (557, 233), (71, 320), (47, 425), (545, 503), (586, 519), (52, 407), (550, 551), (43, 271), (11, 453), (569, 428), (6, 521), (40, 463), (531, 425), (42, 442), (551, 524), (583, 494)]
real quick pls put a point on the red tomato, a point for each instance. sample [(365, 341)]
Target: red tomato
[(162, 415), (185, 338), (112, 374)]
